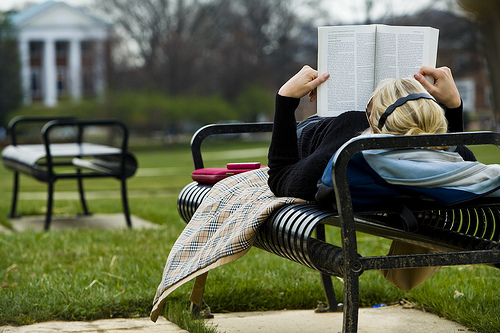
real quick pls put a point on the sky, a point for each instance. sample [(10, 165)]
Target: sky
[(344, 10), (16, 4)]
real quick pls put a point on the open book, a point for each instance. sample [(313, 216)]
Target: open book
[(359, 57)]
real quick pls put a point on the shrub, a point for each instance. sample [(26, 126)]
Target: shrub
[(142, 111)]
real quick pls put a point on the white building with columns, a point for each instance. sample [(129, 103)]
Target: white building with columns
[(63, 52)]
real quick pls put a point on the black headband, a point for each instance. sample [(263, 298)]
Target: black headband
[(398, 103)]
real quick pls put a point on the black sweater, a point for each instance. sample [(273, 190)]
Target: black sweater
[(296, 164)]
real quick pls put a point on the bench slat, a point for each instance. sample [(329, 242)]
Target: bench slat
[(31, 154)]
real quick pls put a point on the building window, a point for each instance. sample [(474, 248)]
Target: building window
[(62, 51), (36, 57), (61, 48), (36, 49), (88, 70), (88, 78), (36, 83), (62, 61), (36, 54), (61, 81), (88, 48), (462, 62), (488, 97)]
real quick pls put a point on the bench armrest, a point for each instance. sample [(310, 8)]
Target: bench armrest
[(16, 121), (215, 129)]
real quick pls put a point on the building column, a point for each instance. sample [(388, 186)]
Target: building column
[(24, 53), (49, 73), (75, 68)]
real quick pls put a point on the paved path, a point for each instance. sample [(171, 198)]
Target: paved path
[(98, 326), (391, 319), (96, 221)]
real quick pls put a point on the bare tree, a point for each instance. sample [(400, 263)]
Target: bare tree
[(196, 46), (147, 22), (486, 14), (256, 39)]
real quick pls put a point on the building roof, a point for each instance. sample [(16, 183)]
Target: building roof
[(34, 12)]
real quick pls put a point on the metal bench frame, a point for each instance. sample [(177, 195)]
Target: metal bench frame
[(289, 231), (46, 168)]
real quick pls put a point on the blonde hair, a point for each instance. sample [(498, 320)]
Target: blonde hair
[(421, 116)]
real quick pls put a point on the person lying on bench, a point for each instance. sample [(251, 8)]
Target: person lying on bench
[(299, 154)]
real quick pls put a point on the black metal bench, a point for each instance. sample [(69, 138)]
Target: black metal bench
[(466, 234), (62, 152)]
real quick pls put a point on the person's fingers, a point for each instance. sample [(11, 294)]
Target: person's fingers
[(313, 94), (424, 82), (426, 70), (314, 85), (319, 80)]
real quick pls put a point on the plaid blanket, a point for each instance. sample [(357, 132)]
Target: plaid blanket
[(222, 230)]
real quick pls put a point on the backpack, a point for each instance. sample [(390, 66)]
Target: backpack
[(377, 176)]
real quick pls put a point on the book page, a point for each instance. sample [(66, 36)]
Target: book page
[(401, 51), (348, 54)]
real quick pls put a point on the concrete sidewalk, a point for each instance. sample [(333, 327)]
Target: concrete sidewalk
[(391, 319), (96, 221), (395, 319)]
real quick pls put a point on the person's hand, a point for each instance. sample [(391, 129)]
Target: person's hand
[(444, 89), (304, 82)]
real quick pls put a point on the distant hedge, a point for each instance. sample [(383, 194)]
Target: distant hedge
[(155, 111)]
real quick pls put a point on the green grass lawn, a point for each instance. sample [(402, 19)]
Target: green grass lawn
[(92, 274)]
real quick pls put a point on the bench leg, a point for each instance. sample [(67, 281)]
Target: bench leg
[(82, 196), (196, 298), (351, 301), (15, 189), (326, 280), (331, 299), (50, 202), (126, 210)]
